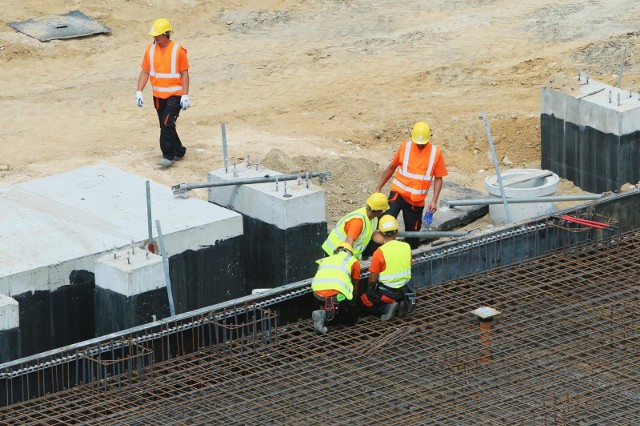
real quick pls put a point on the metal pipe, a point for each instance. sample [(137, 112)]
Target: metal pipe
[(165, 263), (431, 234), (551, 199), (266, 178), (497, 167), (149, 222), (624, 56), (224, 146)]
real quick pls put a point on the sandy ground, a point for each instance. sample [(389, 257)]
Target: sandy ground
[(312, 85)]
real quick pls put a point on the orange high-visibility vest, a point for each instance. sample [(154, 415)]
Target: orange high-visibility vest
[(412, 178), (164, 72)]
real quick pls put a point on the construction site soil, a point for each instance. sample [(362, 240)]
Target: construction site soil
[(314, 85)]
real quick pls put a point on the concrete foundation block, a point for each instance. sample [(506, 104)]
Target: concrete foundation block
[(590, 134), (130, 290), (284, 223)]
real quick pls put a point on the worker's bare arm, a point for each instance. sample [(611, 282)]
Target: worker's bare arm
[(388, 172)]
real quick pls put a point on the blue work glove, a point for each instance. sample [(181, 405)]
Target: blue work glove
[(184, 102), (427, 218), (139, 99)]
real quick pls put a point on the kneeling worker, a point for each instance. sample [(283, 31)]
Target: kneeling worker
[(389, 274), (334, 285), (358, 228)]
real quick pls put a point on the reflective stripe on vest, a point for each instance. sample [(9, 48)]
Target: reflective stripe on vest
[(165, 82), (337, 234), (334, 273), (421, 182), (397, 257)]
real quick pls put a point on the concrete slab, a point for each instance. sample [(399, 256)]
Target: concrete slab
[(55, 225)]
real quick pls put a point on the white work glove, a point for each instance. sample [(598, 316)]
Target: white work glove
[(139, 98), (184, 102)]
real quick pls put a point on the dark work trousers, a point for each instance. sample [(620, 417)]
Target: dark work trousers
[(411, 214), (168, 111), (381, 295), (346, 313)]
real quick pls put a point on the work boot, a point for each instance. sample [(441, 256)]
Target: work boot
[(165, 162), (318, 321), (403, 309), (389, 311)]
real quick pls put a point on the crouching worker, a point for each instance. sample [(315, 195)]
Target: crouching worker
[(389, 275), (334, 285)]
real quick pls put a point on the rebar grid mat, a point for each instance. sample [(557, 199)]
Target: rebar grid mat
[(565, 350)]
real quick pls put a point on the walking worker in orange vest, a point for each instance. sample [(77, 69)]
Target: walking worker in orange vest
[(416, 164), (166, 65)]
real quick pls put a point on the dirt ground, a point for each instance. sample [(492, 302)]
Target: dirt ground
[(311, 85)]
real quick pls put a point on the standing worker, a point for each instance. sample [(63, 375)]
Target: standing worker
[(416, 164), (165, 63), (389, 274), (358, 227), (335, 283)]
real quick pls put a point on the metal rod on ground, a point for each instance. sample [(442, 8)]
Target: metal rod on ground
[(149, 223), (180, 188), (432, 234), (624, 56), (224, 147), (165, 263), (497, 167), (550, 199)]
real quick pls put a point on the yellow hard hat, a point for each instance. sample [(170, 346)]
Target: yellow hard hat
[(421, 133), (160, 26), (387, 223), (346, 246), (378, 201)]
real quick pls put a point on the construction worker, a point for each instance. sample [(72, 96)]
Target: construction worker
[(389, 274), (165, 63), (335, 283), (416, 164), (358, 228)]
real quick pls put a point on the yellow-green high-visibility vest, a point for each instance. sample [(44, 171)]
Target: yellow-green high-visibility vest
[(397, 256), (337, 235), (334, 273)]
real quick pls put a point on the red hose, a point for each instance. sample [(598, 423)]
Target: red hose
[(586, 222)]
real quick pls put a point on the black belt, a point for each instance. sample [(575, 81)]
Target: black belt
[(390, 289)]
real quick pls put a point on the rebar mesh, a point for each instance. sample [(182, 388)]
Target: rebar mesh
[(565, 350)]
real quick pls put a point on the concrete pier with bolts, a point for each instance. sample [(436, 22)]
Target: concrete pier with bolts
[(284, 223), (590, 134), (130, 290)]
